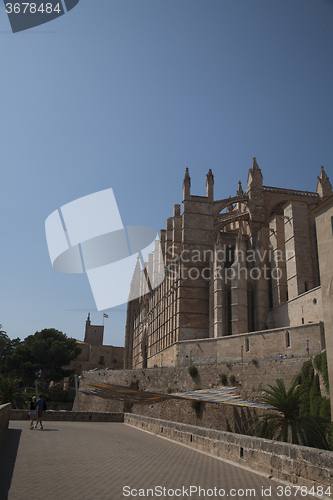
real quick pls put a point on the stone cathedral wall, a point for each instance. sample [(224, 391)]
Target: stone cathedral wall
[(265, 344)]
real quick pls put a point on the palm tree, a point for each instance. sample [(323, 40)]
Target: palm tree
[(10, 392), (286, 424)]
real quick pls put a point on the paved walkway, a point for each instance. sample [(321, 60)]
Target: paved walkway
[(91, 461)]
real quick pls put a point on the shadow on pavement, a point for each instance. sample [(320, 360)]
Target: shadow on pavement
[(8, 450), (47, 430)]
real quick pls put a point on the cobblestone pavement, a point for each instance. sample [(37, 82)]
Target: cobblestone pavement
[(113, 461)]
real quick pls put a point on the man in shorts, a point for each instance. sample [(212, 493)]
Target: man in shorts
[(40, 409)]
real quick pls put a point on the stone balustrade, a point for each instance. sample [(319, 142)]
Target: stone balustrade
[(299, 465), (71, 416)]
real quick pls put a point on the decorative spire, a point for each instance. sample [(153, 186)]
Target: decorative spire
[(210, 185), (187, 176), (186, 185), (240, 189), (210, 175), (255, 178), (324, 187)]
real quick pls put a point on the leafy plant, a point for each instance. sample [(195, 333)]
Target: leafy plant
[(223, 379), (10, 392), (232, 379), (196, 405), (193, 371), (288, 424), (315, 396), (134, 385), (320, 364)]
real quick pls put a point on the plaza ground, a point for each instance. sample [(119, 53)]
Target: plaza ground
[(113, 461)]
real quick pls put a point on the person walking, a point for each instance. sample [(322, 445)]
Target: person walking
[(32, 411), (41, 406)]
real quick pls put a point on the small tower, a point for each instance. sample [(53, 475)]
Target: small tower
[(210, 185), (256, 201), (94, 333), (186, 185), (324, 187)]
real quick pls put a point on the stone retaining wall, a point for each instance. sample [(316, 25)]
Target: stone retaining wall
[(4, 418), (296, 464), (250, 375), (177, 379), (72, 416)]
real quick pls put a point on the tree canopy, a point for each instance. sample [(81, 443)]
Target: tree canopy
[(45, 353), (7, 347)]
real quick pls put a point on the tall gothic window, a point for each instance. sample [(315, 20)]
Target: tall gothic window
[(250, 308), (229, 311), (287, 339)]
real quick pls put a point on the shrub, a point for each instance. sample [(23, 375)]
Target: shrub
[(307, 377), (315, 396), (325, 408), (196, 405), (223, 379), (324, 370), (255, 362), (232, 379), (193, 371)]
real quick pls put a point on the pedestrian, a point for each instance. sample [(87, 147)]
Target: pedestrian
[(40, 408), (32, 411)]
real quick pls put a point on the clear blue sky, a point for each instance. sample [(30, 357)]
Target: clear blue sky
[(126, 94)]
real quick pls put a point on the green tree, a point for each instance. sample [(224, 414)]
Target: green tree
[(7, 347), (315, 396), (287, 423), (320, 363), (306, 380), (10, 392), (45, 352)]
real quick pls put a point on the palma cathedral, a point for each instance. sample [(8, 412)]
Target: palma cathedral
[(241, 278)]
